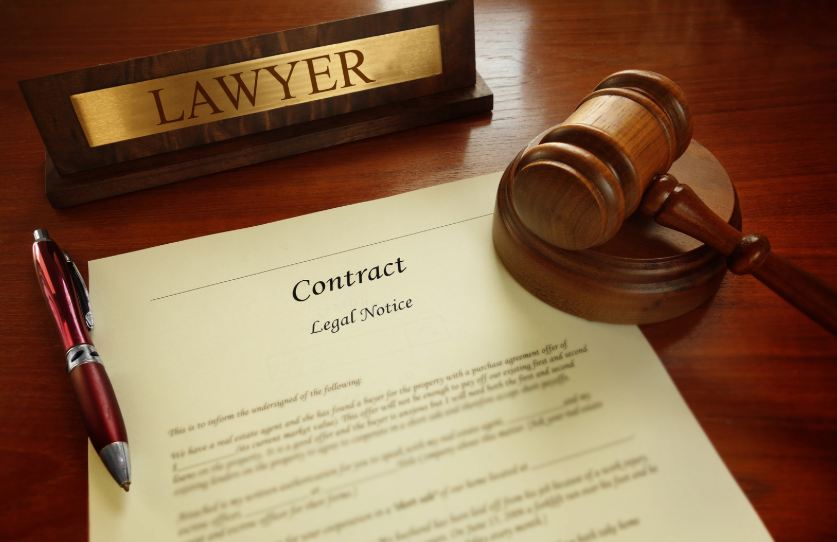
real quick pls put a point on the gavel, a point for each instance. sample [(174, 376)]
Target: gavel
[(574, 186)]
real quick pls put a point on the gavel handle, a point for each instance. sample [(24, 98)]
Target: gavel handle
[(676, 206)]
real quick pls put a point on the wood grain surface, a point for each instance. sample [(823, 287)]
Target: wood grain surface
[(761, 78)]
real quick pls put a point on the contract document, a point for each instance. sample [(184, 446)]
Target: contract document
[(373, 373)]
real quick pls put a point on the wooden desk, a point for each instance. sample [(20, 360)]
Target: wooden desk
[(762, 82)]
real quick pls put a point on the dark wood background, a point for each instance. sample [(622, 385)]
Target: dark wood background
[(761, 78)]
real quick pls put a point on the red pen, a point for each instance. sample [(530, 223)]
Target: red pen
[(67, 299)]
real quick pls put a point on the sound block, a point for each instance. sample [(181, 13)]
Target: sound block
[(646, 273)]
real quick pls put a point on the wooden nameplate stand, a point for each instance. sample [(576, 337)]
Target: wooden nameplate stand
[(105, 182), (565, 226), (126, 126)]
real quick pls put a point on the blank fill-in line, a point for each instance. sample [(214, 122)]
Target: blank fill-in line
[(541, 413), (362, 480), (584, 452), (319, 257), (207, 461), (282, 505), (326, 492)]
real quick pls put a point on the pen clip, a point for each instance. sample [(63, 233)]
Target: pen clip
[(82, 294)]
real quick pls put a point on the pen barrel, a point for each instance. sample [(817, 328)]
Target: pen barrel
[(54, 278), (98, 405)]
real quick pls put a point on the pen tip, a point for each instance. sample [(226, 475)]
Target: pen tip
[(126, 485)]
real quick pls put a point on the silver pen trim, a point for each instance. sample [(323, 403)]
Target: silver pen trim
[(81, 354), (116, 458)]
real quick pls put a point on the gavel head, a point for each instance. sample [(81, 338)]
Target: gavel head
[(574, 184)]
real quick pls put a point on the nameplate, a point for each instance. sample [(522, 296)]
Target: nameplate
[(170, 103), (117, 128), (116, 113)]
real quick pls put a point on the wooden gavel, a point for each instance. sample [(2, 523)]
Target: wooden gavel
[(576, 184)]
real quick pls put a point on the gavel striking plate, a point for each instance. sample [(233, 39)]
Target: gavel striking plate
[(591, 217)]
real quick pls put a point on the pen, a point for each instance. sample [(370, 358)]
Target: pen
[(68, 300)]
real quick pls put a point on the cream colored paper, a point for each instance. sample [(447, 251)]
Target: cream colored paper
[(477, 413)]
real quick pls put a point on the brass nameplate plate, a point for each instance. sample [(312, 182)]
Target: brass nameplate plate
[(169, 103)]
